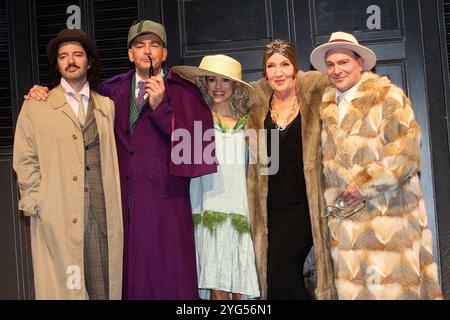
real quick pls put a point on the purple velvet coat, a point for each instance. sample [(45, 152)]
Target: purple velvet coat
[(159, 251)]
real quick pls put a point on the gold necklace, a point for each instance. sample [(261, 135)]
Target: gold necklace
[(292, 112)]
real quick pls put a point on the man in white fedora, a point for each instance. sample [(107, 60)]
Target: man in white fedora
[(379, 239)]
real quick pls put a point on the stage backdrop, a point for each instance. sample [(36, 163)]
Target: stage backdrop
[(409, 38)]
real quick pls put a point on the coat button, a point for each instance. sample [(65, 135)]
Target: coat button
[(75, 178), (87, 168), (75, 220), (86, 189), (132, 153), (74, 137)]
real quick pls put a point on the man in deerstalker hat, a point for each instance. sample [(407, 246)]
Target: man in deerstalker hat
[(152, 103), (380, 243), (67, 169)]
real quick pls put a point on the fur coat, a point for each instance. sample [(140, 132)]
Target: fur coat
[(309, 88), (385, 250)]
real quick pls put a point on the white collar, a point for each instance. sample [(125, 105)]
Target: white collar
[(349, 94), (85, 91), (138, 78)]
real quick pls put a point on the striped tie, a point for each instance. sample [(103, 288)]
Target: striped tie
[(136, 106), (141, 94)]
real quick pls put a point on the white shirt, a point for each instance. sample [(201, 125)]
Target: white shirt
[(69, 92), (344, 99), (138, 78)]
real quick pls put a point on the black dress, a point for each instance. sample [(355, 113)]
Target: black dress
[(289, 225)]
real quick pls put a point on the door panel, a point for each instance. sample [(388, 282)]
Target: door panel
[(239, 29)]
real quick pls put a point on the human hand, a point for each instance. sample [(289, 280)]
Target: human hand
[(351, 194), (38, 93), (155, 89)]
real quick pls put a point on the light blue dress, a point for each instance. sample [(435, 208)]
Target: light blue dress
[(225, 256)]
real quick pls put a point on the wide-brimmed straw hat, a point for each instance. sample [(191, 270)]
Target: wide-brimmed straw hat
[(67, 35), (342, 40), (214, 66)]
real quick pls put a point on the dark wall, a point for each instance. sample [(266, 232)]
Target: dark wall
[(438, 94), (15, 254), (6, 116), (410, 45)]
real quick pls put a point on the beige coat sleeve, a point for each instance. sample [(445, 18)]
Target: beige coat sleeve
[(26, 163)]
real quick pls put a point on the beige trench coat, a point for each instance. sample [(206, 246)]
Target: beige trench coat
[(49, 162)]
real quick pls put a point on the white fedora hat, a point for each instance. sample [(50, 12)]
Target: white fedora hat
[(342, 40), (214, 66)]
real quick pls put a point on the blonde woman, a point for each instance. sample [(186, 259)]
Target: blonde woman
[(225, 255)]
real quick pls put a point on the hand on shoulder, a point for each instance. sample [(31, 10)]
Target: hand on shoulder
[(39, 93)]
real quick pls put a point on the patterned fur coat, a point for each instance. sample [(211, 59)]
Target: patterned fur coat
[(310, 87), (385, 250)]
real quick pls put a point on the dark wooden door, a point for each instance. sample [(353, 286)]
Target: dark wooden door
[(237, 28)]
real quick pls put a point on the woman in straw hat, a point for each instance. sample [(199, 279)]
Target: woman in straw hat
[(225, 255)]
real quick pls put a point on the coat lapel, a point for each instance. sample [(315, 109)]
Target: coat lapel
[(89, 116), (99, 113), (121, 100), (59, 101)]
